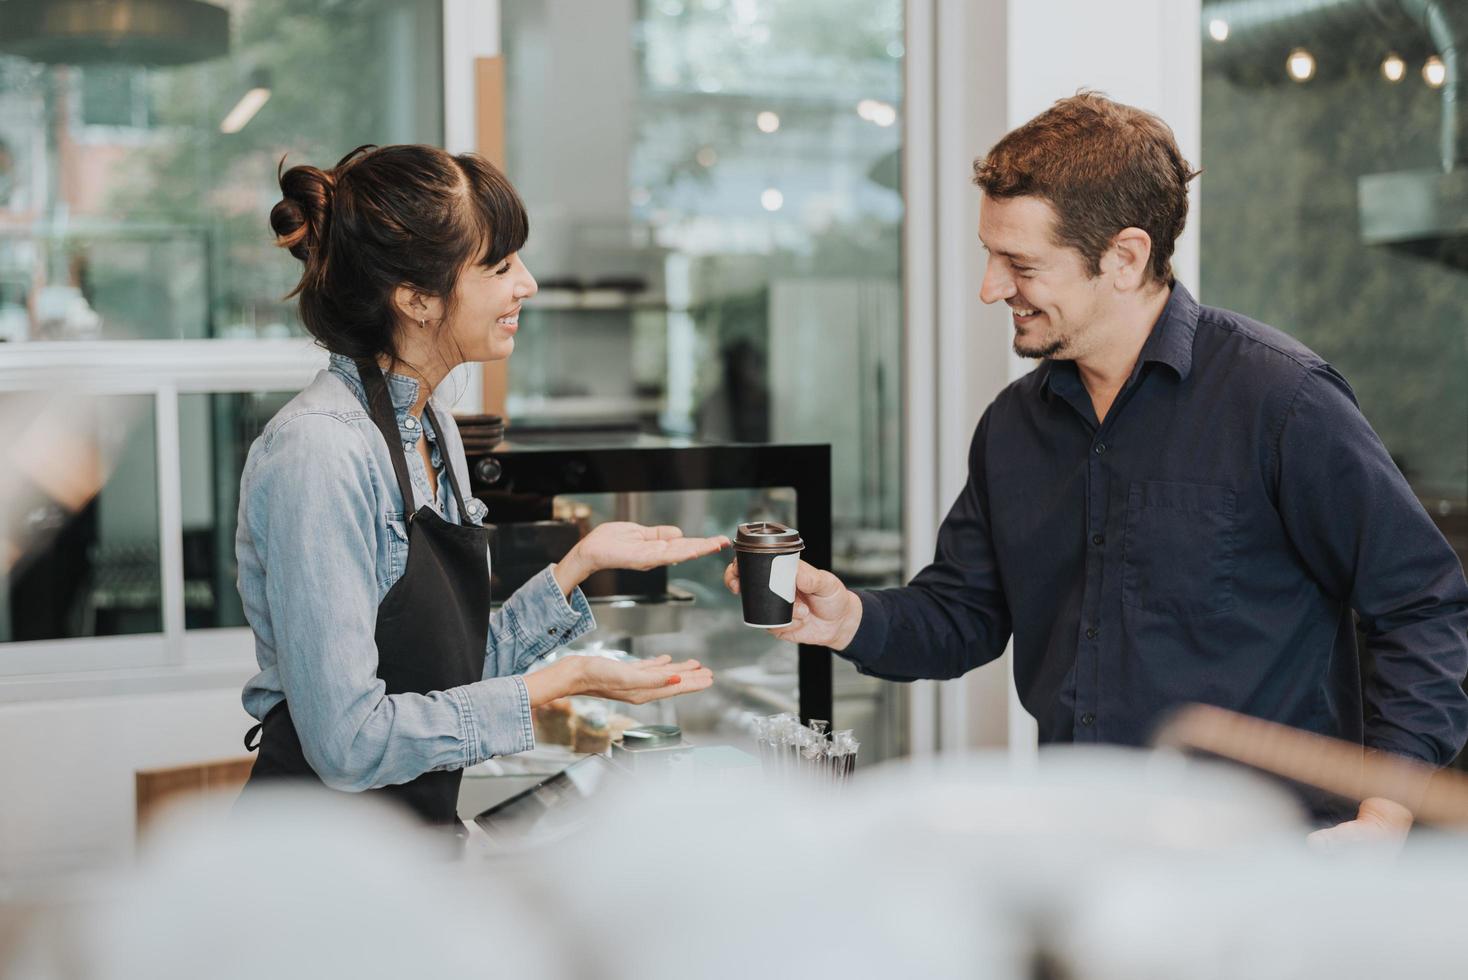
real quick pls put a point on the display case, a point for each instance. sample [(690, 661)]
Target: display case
[(544, 491)]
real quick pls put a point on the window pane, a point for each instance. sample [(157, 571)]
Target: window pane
[(115, 95), (81, 510), (716, 228), (716, 231), (215, 434), (1296, 231), (125, 209)]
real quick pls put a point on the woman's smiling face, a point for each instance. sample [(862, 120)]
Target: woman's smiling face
[(485, 314)]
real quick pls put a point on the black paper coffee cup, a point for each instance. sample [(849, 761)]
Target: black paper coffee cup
[(768, 555)]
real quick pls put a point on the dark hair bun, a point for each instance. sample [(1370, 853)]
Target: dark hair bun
[(299, 218), (385, 217)]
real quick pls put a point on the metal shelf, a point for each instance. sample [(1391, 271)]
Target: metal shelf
[(596, 301), (641, 614)]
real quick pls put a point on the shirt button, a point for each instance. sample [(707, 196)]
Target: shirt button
[(1088, 719), (1098, 539), (409, 447), (411, 422), (1092, 632), (552, 631), (1100, 448)]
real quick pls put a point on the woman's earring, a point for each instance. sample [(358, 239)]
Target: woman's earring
[(422, 323)]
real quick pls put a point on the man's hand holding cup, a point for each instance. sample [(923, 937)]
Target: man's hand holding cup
[(823, 611)]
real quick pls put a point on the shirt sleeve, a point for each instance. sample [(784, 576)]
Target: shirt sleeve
[(953, 615), (535, 620), (1366, 538), (313, 516)]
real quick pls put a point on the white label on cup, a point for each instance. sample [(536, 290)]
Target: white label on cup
[(782, 576)]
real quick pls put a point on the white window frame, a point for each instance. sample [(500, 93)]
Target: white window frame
[(161, 370), (178, 658)]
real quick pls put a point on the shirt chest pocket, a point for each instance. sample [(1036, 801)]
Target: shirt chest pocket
[(1178, 549), (397, 550)]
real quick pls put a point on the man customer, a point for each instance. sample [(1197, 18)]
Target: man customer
[(1179, 504)]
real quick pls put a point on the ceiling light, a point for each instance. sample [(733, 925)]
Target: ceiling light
[(1393, 68), (767, 121), (250, 103), (772, 200), (1301, 65), (876, 111), (1434, 72), (130, 32), (1218, 30)]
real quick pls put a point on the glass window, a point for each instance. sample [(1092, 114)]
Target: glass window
[(115, 95), (80, 553), (134, 197), (1331, 208), (711, 627), (215, 434), (716, 227), (716, 231)]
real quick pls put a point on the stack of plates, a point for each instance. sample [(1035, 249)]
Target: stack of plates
[(481, 433)]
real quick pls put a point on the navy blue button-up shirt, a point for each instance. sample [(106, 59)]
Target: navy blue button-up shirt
[(1206, 542)]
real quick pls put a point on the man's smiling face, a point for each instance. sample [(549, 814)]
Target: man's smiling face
[(1050, 292)]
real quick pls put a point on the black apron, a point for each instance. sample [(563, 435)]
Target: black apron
[(431, 627)]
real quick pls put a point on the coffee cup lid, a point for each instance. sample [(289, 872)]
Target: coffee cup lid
[(768, 536)]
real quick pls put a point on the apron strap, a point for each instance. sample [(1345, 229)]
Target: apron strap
[(448, 464), (379, 403)]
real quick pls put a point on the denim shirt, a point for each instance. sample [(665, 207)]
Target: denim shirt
[(321, 539)]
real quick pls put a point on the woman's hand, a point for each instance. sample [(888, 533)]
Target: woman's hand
[(622, 544), (641, 681), (635, 681)]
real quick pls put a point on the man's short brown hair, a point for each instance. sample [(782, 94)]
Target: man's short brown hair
[(1103, 166)]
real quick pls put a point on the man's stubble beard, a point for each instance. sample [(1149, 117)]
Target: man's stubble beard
[(1042, 351)]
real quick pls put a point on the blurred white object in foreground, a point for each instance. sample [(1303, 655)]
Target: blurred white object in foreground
[(1100, 863), (1275, 915), (959, 870), (307, 886)]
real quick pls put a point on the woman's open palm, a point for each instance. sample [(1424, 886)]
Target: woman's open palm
[(640, 681), (622, 544)]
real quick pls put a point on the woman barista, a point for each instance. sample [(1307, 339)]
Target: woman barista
[(361, 562)]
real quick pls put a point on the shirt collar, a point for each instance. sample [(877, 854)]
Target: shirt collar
[(402, 390), (1170, 341)]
